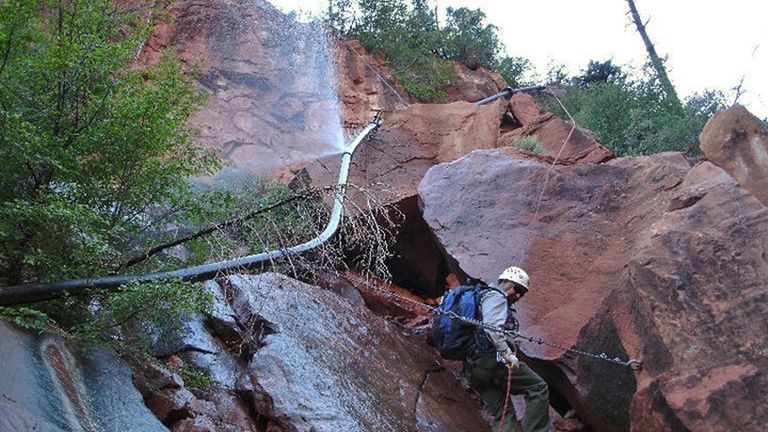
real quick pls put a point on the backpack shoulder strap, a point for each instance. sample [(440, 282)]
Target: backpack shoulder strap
[(485, 289)]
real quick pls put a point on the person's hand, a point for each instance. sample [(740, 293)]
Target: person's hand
[(510, 360)]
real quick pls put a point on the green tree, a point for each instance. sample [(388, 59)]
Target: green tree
[(90, 143), (633, 115), (514, 69), (469, 41), (405, 33), (599, 72)]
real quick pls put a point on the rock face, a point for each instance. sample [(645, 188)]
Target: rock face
[(365, 85), (305, 359), (273, 103), (282, 93), (551, 132), (45, 386), (392, 162), (473, 84), (639, 258), (737, 141)]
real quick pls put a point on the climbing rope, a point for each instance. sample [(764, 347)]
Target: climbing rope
[(559, 153), (386, 83), (506, 398), (630, 363)]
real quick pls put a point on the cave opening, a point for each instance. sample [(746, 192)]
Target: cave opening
[(418, 263)]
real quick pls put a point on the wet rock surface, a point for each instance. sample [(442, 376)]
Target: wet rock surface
[(282, 93), (47, 386), (642, 257), (737, 141), (270, 80), (390, 164), (307, 359)]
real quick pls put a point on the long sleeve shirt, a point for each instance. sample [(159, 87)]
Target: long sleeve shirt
[(498, 312)]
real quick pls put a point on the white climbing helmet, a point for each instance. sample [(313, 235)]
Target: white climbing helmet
[(516, 275)]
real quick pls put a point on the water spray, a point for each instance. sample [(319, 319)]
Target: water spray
[(29, 293)]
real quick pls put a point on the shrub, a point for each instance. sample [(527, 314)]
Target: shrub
[(530, 144), (89, 144), (416, 49), (632, 116)]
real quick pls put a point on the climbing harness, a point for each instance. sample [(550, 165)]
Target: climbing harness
[(630, 363)]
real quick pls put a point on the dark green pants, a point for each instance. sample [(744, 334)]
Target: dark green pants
[(489, 378)]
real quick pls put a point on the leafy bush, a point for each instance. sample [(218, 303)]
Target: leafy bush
[(468, 40), (136, 311), (89, 144), (513, 69), (416, 49), (92, 147), (632, 116), (26, 318), (530, 144), (407, 36)]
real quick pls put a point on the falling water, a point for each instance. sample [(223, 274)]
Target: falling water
[(300, 112), (322, 110), (309, 38)]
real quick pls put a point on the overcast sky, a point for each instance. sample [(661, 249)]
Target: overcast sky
[(710, 44)]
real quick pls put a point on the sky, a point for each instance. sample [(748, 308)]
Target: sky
[(709, 44)]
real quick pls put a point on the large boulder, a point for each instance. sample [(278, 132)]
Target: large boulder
[(737, 141), (46, 385), (643, 258), (472, 85), (306, 359), (555, 136)]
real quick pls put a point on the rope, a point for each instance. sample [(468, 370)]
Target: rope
[(630, 363), (506, 398), (377, 74), (559, 153)]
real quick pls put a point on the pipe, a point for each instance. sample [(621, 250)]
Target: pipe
[(507, 92), (35, 292)]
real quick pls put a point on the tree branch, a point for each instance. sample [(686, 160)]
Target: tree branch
[(205, 231), (656, 62)]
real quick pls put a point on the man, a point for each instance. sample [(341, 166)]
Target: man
[(487, 373)]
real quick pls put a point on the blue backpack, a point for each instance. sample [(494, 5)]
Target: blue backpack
[(456, 339)]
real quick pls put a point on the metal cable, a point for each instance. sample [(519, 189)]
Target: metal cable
[(630, 363)]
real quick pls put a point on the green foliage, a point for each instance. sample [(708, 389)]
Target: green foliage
[(632, 116), (194, 378), (239, 193), (89, 144), (144, 307), (468, 40), (530, 144), (138, 310), (513, 69), (599, 73), (416, 49), (407, 36), (26, 318)]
